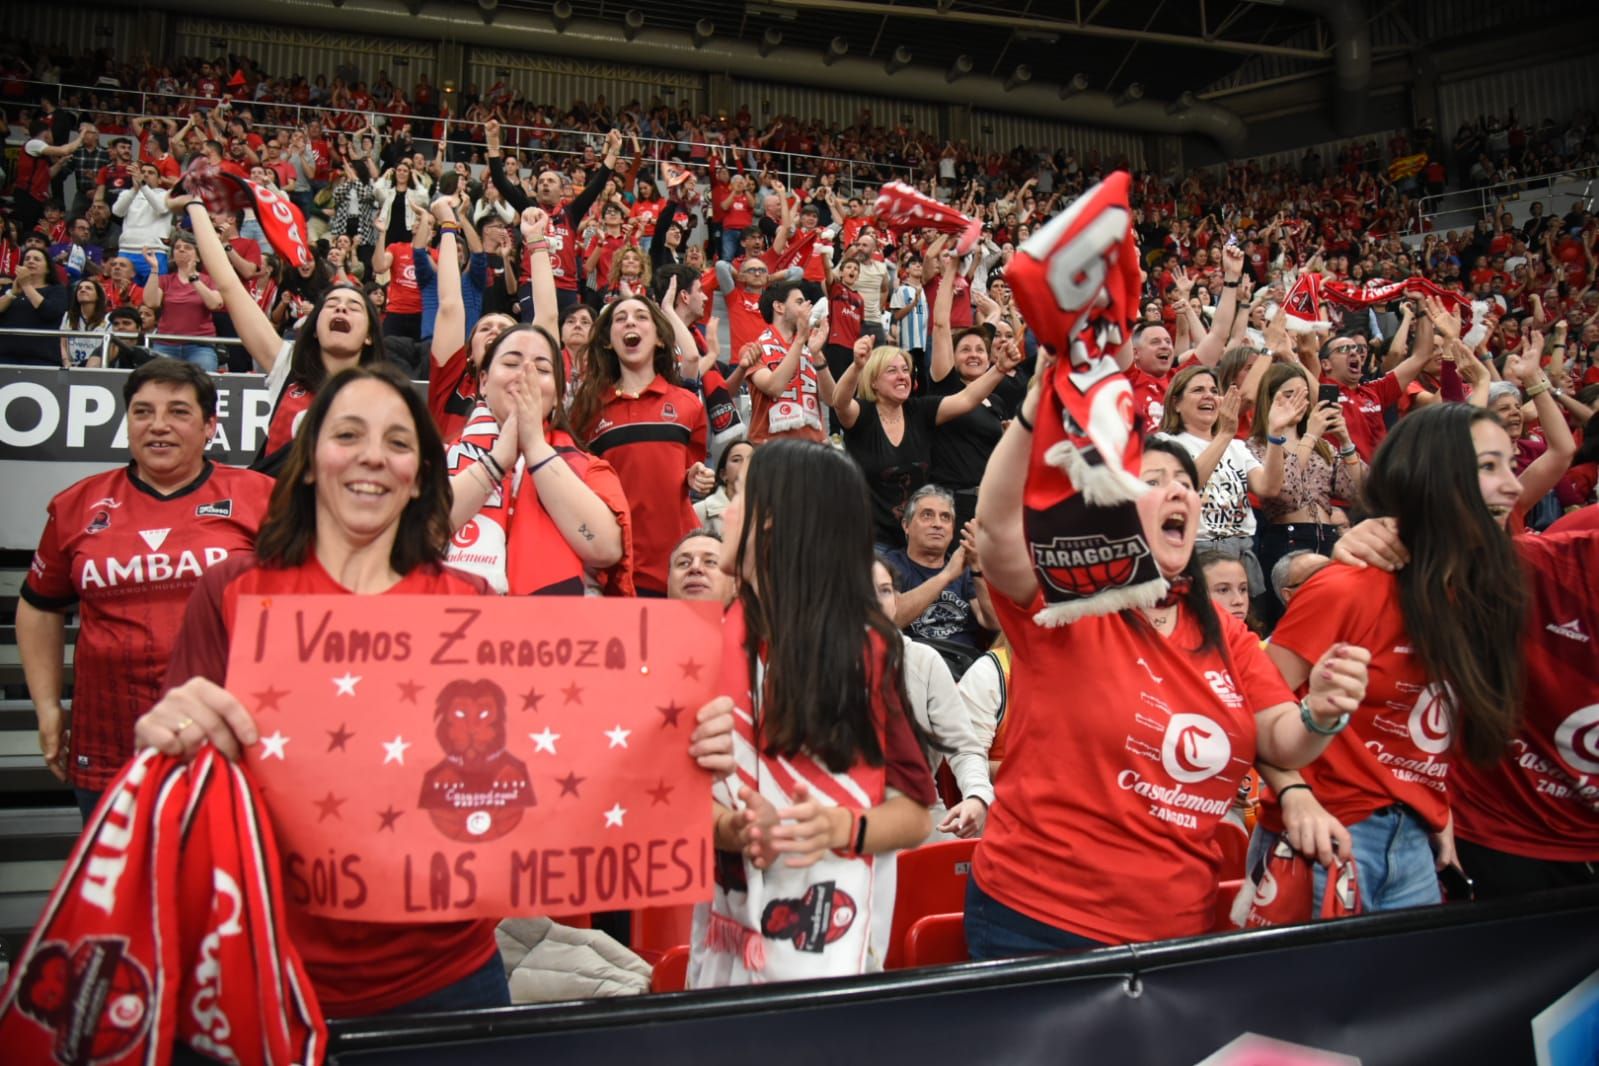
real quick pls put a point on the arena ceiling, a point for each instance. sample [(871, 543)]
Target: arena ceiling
[(1166, 45)]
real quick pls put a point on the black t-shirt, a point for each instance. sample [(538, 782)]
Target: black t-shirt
[(34, 350), (892, 474), (961, 446), (950, 617)]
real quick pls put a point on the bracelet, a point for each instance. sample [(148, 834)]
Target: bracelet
[(492, 465), (1279, 441), (860, 834), (1557, 347), (1281, 792), (542, 463), (1028, 426), (1310, 723), (1229, 284), (1534, 391), (849, 834), (539, 246)]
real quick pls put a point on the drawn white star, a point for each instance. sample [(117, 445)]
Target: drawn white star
[(394, 750), (544, 740), (272, 746), (613, 817), (346, 684), (618, 736)]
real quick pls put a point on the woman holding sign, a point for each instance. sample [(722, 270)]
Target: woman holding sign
[(341, 331), (363, 508), (830, 779)]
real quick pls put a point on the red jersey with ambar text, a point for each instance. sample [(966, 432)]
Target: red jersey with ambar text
[(1542, 799), (357, 968), (129, 557)]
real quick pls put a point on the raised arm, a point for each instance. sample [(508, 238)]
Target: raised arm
[(251, 323), (1208, 351), (509, 189), (843, 400), (449, 322), (1001, 541), (1006, 359), (943, 344), (1544, 472)]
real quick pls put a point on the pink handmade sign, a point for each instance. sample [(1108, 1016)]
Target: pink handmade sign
[(427, 758)]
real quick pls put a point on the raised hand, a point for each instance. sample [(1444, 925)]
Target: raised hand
[(1286, 411), (1227, 413), (534, 224)]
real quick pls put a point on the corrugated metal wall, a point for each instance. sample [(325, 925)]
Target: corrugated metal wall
[(76, 29), (766, 100), (1438, 20), (1537, 91), (282, 52), (550, 80), (994, 132)]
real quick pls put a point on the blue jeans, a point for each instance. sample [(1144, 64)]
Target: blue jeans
[(201, 355), (481, 989), (995, 931), (1393, 861), (141, 267), (88, 799), (732, 240)]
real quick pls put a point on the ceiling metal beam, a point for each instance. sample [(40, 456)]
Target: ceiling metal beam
[(870, 7)]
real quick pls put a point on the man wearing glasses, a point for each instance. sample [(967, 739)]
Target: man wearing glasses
[(1343, 359)]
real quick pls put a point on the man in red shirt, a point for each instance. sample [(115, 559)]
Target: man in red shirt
[(125, 548), (1151, 371), (1343, 359)]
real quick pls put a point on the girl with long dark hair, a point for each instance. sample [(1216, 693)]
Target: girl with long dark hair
[(1446, 673), (340, 331), (830, 780), (87, 311), (1104, 819), (1524, 812)]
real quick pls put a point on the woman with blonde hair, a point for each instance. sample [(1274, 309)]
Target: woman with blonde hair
[(889, 433)]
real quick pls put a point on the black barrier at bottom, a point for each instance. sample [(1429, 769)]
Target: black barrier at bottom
[(1460, 984)]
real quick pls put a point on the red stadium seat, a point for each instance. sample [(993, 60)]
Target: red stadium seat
[(936, 940), (656, 930), (931, 880), (1233, 840), (671, 973)]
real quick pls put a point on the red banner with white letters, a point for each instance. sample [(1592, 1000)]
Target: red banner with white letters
[(428, 758)]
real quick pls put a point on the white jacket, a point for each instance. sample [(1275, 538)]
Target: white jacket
[(936, 702), (146, 219), (417, 198)]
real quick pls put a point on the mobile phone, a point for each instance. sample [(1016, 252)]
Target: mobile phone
[(1326, 394), (1455, 885)]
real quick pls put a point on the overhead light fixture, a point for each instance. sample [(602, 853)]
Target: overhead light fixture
[(898, 61), (837, 49), (770, 39), (632, 22), (704, 30), (1078, 84), (487, 7), (561, 15), (958, 69), (1184, 102), (1036, 36), (1019, 77), (1130, 95)]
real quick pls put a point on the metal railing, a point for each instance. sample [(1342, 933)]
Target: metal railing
[(656, 148), (1482, 199), (107, 338)]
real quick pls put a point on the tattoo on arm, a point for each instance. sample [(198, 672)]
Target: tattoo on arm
[(584, 530)]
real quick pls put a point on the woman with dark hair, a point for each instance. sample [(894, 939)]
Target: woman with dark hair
[(32, 300), (87, 311), (340, 331), (631, 411), (1446, 674), (1205, 422), (1119, 787), (730, 469), (1522, 815), (961, 446), (362, 508), (830, 779), (1319, 465), (184, 301)]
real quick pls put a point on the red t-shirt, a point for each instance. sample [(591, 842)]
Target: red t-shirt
[(1149, 396), (745, 323), (740, 213), (1105, 816), (183, 310), (960, 307), (845, 311), (1542, 799), (452, 393), (356, 968), (797, 411), (293, 402), (404, 296), (563, 250), (652, 441), (248, 249), (128, 558), (1363, 407), (1396, 748)]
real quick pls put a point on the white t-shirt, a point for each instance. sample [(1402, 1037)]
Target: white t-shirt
[(1224, 505)]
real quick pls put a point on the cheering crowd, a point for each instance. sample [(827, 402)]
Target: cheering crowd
[(1366, 527)]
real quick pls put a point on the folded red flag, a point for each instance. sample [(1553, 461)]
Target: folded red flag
[(1077, 282), (900, 207)]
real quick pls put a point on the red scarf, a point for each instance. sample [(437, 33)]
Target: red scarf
[(280, 220), (1077, 283), (161, 928), (900, 207), (1304, 302)]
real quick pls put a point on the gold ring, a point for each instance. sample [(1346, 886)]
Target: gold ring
[(186, 723)]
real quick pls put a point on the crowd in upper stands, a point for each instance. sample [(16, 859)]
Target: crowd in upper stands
[(601, 268)]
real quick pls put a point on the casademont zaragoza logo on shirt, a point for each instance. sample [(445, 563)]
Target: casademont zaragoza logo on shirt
[(1421, 736), (1191, 749)]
